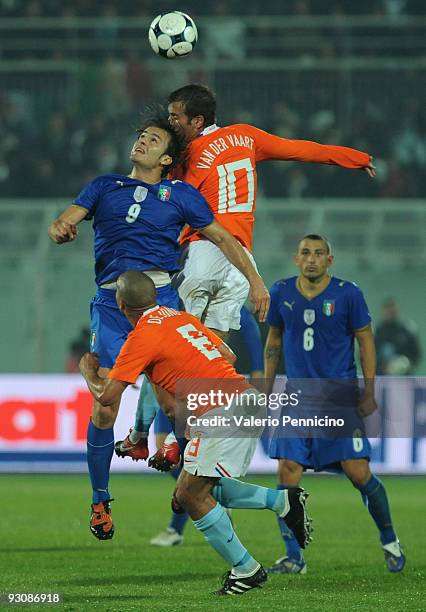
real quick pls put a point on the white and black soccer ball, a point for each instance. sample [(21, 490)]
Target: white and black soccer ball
[(173, 34)]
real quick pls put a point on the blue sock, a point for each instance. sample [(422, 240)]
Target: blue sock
[(293, 549), (178, 521), (233, 493), (376, 500), (100, 447), (219, 533)]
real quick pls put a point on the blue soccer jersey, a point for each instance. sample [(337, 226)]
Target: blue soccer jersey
[(318, 333), (318, 338), (137, 224)]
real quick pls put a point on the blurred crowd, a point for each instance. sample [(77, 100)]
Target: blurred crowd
[(225, 28), (60, 125), (96, 8), (50, 147)]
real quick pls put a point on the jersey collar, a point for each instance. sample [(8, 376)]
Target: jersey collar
[(209, 129), (296, 284), (147, 312)]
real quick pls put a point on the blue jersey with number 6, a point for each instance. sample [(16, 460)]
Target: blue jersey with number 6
[(318, 333), (137, 224), (318, 338)]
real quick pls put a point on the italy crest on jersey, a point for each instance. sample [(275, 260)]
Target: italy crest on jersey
[(164, 193), (328, 307)]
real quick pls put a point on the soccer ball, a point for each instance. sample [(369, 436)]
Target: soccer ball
[(173, 34)]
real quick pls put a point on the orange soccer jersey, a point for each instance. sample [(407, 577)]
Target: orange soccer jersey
[(221, 164), (170, 346)]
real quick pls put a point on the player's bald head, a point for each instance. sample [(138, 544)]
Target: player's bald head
[(136, 290)]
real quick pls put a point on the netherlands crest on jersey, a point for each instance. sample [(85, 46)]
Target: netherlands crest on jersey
[(328, 307), (309, 316), (164, 193)]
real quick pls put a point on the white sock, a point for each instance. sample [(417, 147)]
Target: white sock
[(236, 574), (394, 548), (135, 436)]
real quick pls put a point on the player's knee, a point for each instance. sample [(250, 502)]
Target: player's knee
[(103, 416), (358, 473), (289, 472)]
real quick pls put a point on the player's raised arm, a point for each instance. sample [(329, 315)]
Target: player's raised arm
[(64, 228), (273, 353), (269, 146), (367, 352), (234, 252)]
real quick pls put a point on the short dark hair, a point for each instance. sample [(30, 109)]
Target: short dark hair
[(319, 238), (197, 100), (157, 116)]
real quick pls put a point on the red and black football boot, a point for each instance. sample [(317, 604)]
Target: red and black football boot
[(167, 457), (137, 450)]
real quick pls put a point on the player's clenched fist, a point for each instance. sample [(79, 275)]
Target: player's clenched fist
[(61, 231), (89, 363)]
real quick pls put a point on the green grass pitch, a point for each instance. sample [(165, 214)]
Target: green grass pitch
[(46, 546)]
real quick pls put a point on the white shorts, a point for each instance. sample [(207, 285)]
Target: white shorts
[(211, 288), (222, 450), (217, 457)]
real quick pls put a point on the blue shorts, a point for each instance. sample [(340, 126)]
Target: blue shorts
[(162, 423), (109, 328), (320, 453)]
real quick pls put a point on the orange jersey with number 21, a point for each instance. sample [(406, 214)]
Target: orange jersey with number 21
[(221, 164)]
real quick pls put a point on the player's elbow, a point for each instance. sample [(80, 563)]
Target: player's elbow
[(105, 399), (273, 350), (227, 354), (366, 345), (216, 238), (102, 401), (215, 233), (231, 357)]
